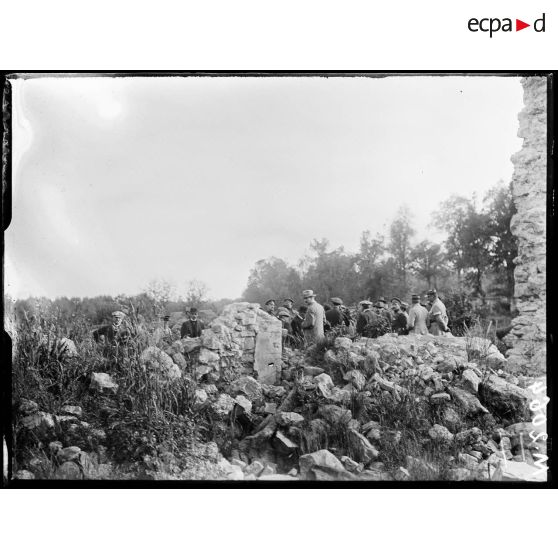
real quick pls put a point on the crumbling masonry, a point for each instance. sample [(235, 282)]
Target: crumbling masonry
[(528, 336)]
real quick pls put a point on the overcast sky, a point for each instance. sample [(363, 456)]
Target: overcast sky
[(118, 181)]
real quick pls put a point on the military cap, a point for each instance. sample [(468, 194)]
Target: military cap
[(118, 314), (308, 293), (336, 301), (270, 300), (365, 303), (415, 298), (396, 299), (288, 299), (431, 292)]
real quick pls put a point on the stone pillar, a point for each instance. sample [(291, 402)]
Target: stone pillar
[(528, 336), (267, 358)]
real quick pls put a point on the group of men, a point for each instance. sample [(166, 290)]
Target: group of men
[(312, 320)]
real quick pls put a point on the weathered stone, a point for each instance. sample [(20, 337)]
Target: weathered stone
[(40, 423), (255, 468), (68, 454), (324, 383), (68, 471), (179, 360), (283, 445), (103, 382), (158, 362), (288, 419), (248, 386), (244, 403), (208, 357), (440, 434), (356, 378), (468, 402), (470, 381), (24, 474), (364, 450), (469, 436), (342, 343), (321, 465), (267, 356), (200, 397), (506, 399), (189, 344), (351, 466), (438, 398), (313, 371), (224, 405), (74, 410), (334, 414), (235, 474), (270, 408)]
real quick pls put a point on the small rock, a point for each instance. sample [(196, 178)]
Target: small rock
[(312, 371), (467, 460), (235, 474), (342, 343), (321, 465), (24, 474), (470, 381), (255, 468), (283, 445), (402, 474), (74, 410), (334, 414), (250, 477), (441, 434), (288, 419), (293, 472), (270, 408), (101, 382), (68, 471), (365, 451), (269, 469), (352, 466), (438, 398), (41, 423), (68, 454), (244, 403), (239, 463)]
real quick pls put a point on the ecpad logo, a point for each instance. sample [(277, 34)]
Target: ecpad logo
[(493, 25)]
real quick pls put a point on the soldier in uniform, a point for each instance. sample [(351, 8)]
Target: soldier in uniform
[(335, 316), (437, 314), (365, 316)]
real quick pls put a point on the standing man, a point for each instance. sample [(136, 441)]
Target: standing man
[(365, 316), (418, 316), (192, 327), (405, 309), (399, 321), (270, 307), (437, 314), (384, 310), (335, 315), (313, 324)]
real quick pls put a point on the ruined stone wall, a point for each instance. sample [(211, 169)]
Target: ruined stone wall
[(244, 338), (528, 336)]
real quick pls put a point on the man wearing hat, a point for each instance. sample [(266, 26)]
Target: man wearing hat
[(418, 316), (384, 310), (365, 316), (288, 305), (437, 314), (405, 309), (313, 323), (270, 307), (116, 332), (335, 316), (192, 327), (399, 321)]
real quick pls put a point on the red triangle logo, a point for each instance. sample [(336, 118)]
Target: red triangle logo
[(519, 25)]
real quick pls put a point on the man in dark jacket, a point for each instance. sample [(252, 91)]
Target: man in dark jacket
[(336, 316), (192, 327), (399, 320)]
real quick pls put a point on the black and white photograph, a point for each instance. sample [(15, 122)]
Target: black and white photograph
[(272, 278)]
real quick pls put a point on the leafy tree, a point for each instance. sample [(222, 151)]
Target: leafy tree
[(428, 262), (272, 278), (400, 235), (503, 250)]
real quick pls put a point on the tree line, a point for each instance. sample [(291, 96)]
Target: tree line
[(476, 259)]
